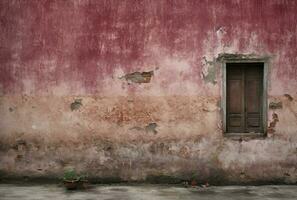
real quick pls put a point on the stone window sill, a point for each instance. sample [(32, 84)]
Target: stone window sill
[(245, 136)]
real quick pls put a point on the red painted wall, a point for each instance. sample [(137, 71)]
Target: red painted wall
[(54, 42)]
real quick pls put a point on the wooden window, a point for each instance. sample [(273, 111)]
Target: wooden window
[(244, 97)]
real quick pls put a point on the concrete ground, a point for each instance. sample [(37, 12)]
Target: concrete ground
[(143, 192)]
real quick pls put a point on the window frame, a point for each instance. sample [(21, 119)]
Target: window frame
[(224, 60)]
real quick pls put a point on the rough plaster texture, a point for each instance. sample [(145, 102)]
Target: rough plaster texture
[(131, 89)]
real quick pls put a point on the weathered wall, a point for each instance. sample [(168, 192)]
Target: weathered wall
[(131, 89)]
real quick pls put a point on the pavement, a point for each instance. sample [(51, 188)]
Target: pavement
[(146, 192)]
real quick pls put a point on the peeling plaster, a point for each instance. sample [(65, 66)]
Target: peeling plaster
[(289, 97), (138, 77), (209, 72), (276, 105), (76, 104), (272, 125), (151, 127), (230, 56)]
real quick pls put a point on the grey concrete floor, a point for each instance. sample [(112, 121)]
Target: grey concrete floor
[(143, 192)]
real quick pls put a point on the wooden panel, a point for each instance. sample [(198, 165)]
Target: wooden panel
[(253, 72), (235, 121), (234, 72), (235, 88), (253, 122), (244, 97), (253, 98), (252, 95), (235, 103)]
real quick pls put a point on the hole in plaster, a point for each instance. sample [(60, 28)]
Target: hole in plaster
[(138, 77)]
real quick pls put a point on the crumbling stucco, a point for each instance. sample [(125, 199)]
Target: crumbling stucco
[(238, 56), (273, 123), (150, 128), (210, 75), (76, 104), (275, 105), (139, 77), (75, 79), (289, 97), (98, 140)]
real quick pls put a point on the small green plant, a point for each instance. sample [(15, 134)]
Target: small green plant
[(73, 181), (71, 175)]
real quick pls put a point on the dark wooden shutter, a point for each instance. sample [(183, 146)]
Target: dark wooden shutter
[(253, 97), (244, 97), (235, 99)]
